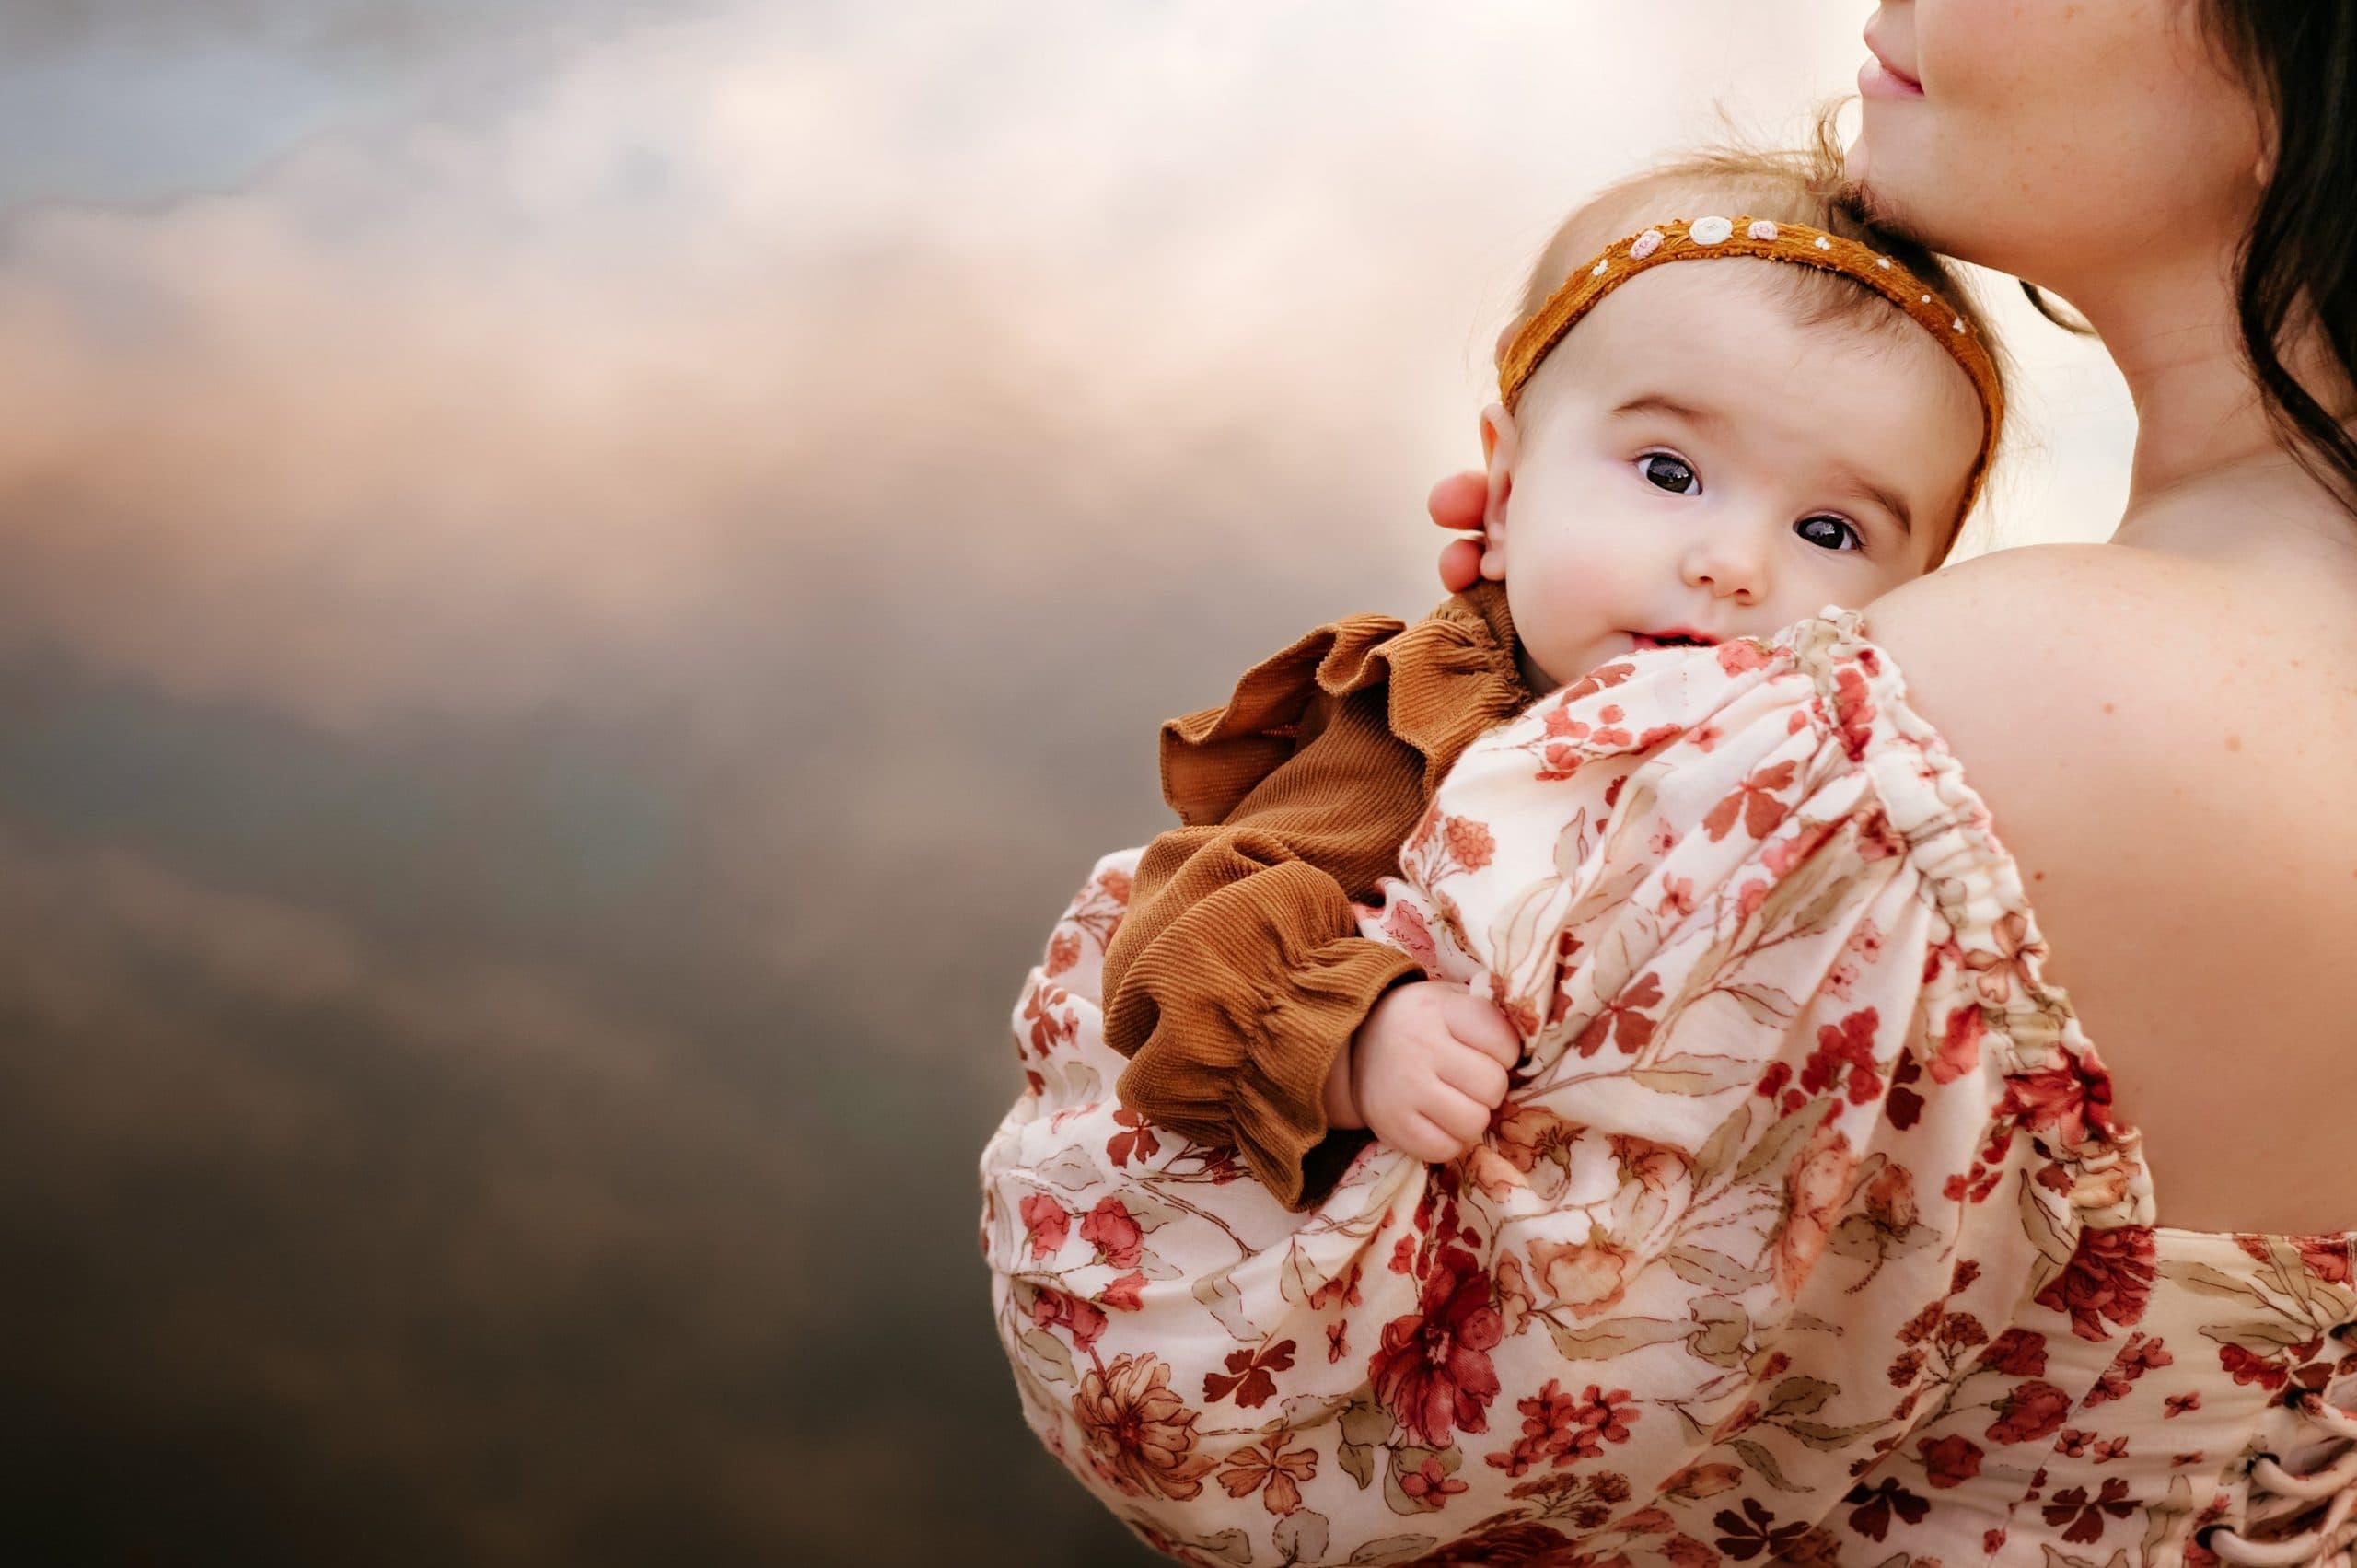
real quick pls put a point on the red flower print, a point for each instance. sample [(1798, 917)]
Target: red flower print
[(1139, 1143), (1949, 1461), (1141, 1436), (1586, 1276), (1876, 1507), (1741, 654), (1815, 1187), (2068, 1104), (1216, 1166), (1248, 1375), (2031, 1412), (1959, 1052), (1559, 1428), (1054, 1309), (1469, 843), (2018, 1352), (1754, 1531), (1749, 897), (1277, 1475), (1890, 1200), (2085, 1518), (1338, 1340), (2139, 1357), (1343, 1287), (1046, 1222), (1850, 1045), (1994, 972), (1430, 1480), (2327, 1257), (1902, 1105), (1433, 1372), (1784, 853), (2110, 1276), (1122, 1294), (1052, 1024), (1853, 711), (2249, 1368), (2177, 1404), (1063, 951), (1117, 1238), (1755, 801), (1406, 928), (1624, 1019)]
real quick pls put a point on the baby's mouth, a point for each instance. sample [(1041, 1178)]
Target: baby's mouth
[(1669, 640)]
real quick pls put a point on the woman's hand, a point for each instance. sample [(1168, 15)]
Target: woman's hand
[(1456, 504)]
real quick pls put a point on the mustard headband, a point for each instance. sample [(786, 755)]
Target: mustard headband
[(1706, 238)]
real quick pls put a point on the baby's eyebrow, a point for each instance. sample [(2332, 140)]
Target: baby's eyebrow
[(1889, 500), (1662, 402)]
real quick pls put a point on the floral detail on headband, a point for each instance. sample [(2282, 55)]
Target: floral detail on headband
[(1645, 244), (1711, 231), (1763, 229)]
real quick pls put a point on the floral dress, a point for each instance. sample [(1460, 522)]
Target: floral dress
[(1805, 1233)]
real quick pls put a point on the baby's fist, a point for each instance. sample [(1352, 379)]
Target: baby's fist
[(1429, 1065)]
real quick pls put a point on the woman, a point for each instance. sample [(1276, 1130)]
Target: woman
[(2161, 728)]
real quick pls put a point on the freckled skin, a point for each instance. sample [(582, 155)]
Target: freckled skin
[(2020, 156)]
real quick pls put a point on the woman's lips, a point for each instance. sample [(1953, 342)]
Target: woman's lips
[(1876, 79)]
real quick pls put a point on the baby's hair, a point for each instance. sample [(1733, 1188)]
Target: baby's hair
[(1800, 185)]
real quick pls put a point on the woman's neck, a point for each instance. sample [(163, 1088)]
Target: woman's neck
[(2202, 433)]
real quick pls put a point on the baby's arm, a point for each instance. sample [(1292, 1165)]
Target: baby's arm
[(1238, 976), (1239, 982)]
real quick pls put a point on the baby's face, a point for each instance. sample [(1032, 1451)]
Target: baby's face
[(1690, 457)]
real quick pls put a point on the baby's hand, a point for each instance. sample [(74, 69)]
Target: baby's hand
[(1425, 1070)]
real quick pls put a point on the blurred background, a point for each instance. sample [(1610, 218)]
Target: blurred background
[(579, 582)]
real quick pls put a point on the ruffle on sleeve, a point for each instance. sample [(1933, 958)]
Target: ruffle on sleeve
[(1450, 676), (1265, 1007)]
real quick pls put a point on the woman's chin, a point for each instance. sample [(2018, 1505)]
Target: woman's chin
[(1855, 165)]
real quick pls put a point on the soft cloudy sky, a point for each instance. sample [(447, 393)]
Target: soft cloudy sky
[(580, 582)]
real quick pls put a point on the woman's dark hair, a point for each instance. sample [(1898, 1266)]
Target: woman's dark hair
[(2295, 268)]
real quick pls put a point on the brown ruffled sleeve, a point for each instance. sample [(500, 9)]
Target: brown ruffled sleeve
[(1238, 974)]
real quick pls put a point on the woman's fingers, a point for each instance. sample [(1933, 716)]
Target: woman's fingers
[(1460, 564), (1457, 502)]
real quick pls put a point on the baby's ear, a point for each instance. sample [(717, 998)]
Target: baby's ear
[(1499, 447)]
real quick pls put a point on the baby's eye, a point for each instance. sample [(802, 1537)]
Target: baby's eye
[(1825, 538), (1670, 473)]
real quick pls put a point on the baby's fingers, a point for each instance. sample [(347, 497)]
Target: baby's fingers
[(1475, 1074), (1479, 1025), (1417, 1135), (1458, 1114)]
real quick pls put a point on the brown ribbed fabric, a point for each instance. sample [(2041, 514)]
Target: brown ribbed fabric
[(1238, 974)]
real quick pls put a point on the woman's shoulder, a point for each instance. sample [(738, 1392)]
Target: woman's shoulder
[(2065, 677)]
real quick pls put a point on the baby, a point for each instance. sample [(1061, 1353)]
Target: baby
[(1680, 454)]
